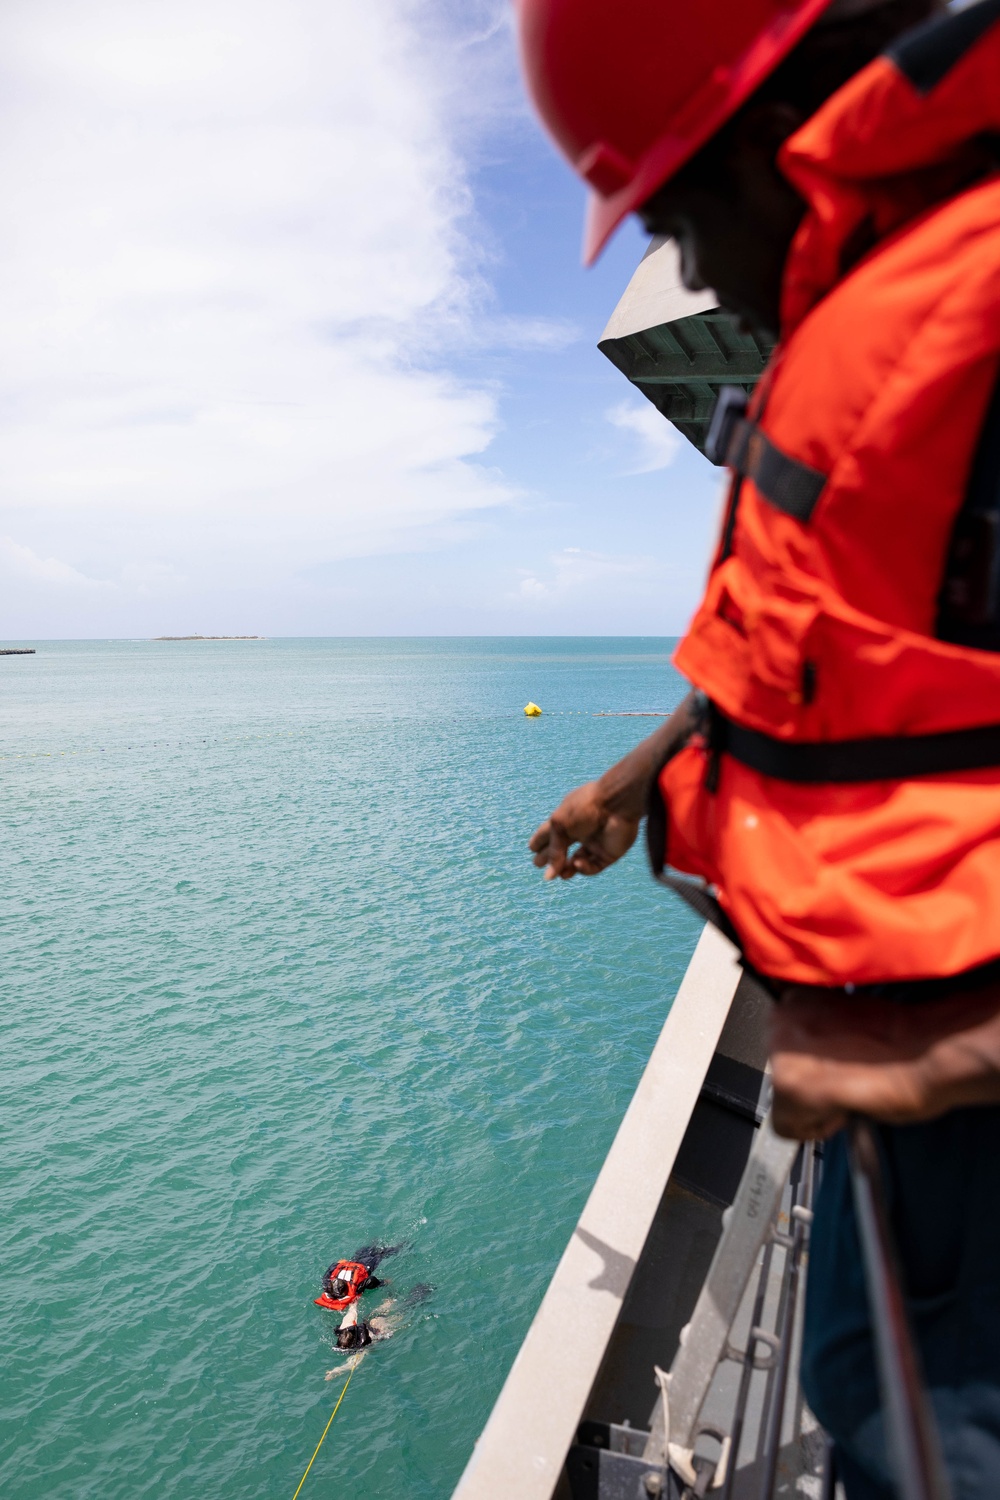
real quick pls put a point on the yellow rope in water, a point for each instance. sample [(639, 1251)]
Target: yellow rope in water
[(326, 1429)]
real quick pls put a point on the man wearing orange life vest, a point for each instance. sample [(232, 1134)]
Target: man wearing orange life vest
[(345, 1280), (343, 1284), (835, 776)]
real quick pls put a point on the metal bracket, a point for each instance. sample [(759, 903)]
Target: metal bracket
[(606, 1463), (705, 1340), (758, 1361)]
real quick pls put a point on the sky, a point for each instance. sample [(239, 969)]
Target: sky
[(298, 342)]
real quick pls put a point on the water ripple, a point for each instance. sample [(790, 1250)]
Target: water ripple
[(279, 979)]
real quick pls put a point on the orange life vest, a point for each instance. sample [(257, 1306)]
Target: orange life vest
[(848, 806), (355, 1275)]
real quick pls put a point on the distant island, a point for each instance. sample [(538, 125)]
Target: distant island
[(209, 637)]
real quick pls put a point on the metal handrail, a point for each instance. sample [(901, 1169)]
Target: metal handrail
[(801, 1215)]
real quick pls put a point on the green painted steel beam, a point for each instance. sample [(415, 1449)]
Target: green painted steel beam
[(680, 366), (662, 371)]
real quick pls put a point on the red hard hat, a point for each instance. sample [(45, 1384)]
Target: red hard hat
[(630, 89)]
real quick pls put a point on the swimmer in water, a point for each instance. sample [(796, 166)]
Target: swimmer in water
[(345, 1280), (354, 1335)]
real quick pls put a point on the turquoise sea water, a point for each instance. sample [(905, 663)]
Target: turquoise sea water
[(279, 979)]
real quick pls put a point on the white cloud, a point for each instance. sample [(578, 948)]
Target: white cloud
[(659, 443), (20, 562), (575, 571), (527, 333), (235, 251)]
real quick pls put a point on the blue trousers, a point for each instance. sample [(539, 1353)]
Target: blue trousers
[(943, 1181)]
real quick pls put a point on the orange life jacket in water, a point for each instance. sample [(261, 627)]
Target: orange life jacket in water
[(846, 801), (355, 1274)]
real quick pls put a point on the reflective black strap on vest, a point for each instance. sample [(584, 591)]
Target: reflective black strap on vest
[(928, 53), (733, 439), (892, 758)]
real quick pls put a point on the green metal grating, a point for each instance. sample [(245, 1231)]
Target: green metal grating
[(681, 365)]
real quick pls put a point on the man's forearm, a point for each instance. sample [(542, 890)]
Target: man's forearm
[(595, 824), (963, 1069), (624, 788), (898, 1062)]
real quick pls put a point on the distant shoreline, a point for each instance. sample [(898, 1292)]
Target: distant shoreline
[(209, 637)]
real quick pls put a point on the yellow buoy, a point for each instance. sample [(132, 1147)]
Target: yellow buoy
[(532, 710)]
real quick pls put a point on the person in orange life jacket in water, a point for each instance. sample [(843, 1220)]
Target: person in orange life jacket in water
[(835, 777), (345, 1280)]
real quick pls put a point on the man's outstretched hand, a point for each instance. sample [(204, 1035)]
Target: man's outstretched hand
[(584, 820), (834, 1055), (597, 823)]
